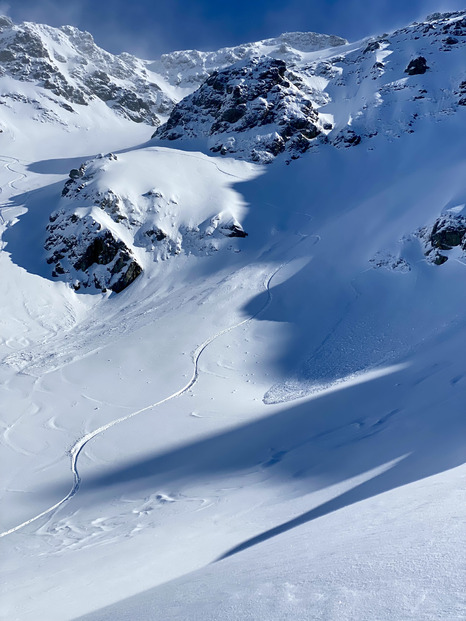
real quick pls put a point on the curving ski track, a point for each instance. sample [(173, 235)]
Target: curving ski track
[(11, 184), (81, 443)]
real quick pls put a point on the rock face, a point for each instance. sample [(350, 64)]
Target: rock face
[(347, 138), (256, 109), (87, 255), (253, 102), (391, 262), (447, 232), (80, 247), (462, 94), (417, 66), (71, 70)]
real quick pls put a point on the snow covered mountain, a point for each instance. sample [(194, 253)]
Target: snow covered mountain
[(190, 68), (54, 72), (232, 350), (257, 109)]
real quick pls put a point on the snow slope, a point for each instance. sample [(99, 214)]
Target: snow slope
[(261, 427)]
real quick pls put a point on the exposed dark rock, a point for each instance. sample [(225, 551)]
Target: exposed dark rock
[(462, 93), (58, 271), (133, 271), (59, 86), (24, 56), (232, 115), (156, 234), (79, 243), (71, 183), (5, 22), (436, 257), (347, 138), (389, 261), (456, 28), (235, 231), (75, 173), (6, 55), (102, 250), (100, 85), (417, 66), (439, 258), (372, 46), (26, 41), (448, 232)]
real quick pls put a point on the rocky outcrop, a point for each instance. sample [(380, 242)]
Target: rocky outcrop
[(80, 247), (101, 237), (462, 93), (391, 262), (417, 66), (255, 109), (438, 240), (347, 138), (447, 232), (87, 255)]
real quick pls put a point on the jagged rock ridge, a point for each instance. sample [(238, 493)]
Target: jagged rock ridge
[(70, 69), (190, 68)]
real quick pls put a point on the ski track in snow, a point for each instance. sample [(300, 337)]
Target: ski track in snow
[(12, 160), (76, 449), (11, 184)]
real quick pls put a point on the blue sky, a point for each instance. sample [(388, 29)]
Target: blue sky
[(151, 27)]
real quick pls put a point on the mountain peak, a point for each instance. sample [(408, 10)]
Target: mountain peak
[(305, 41), (68, 70), (433, 17), (189, 68)]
